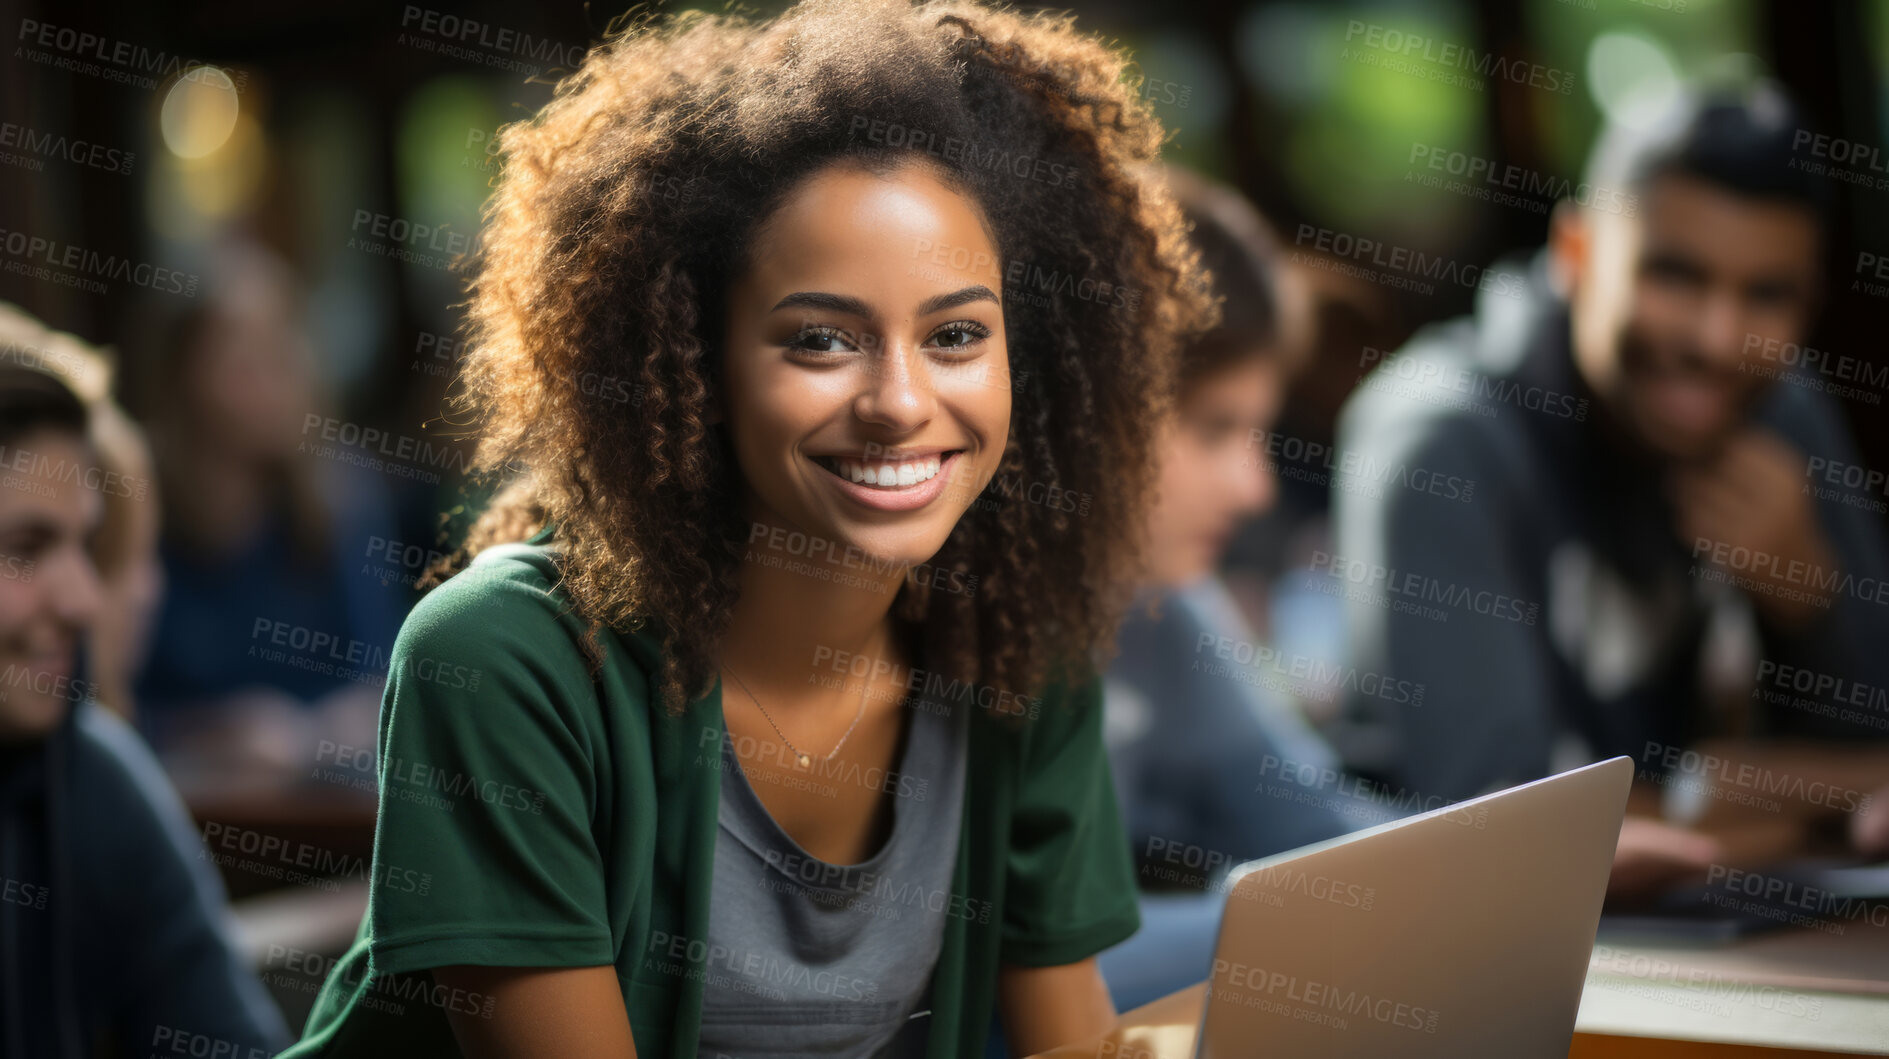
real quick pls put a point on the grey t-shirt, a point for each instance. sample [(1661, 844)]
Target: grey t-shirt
[(812, 958)]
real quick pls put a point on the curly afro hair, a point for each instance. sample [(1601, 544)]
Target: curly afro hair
[(621, 216)]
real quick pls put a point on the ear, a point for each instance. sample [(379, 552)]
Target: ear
[(1570, 241)]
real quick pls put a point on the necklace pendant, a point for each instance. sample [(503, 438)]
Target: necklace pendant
[(804, 761)]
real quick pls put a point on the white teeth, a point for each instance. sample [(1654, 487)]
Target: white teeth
[(888, 475)]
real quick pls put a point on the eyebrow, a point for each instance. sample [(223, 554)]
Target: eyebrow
[(842, 303)]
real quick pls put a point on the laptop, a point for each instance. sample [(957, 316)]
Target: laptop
[(1462, 931)]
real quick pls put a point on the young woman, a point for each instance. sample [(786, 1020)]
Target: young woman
[(828, 351)]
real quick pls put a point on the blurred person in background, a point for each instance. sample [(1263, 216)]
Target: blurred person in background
[(1207, 745), (262, 543), (125, 548), (113, 925), (1634, 521)]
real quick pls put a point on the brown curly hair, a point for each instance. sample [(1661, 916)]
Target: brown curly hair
[(621, 217)]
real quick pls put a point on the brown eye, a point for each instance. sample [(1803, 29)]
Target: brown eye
[(820, 340), (959, 334)]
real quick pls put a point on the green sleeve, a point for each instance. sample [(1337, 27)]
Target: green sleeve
[(484, 853), (1070, 888)]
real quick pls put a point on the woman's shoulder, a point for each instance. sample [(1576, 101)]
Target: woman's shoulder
[(508, 608), (516, 583)]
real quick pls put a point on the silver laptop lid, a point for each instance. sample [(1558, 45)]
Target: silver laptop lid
[(1462, 931)]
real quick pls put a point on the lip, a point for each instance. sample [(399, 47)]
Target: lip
[(901, 498), (1687, 402), (54, 664)]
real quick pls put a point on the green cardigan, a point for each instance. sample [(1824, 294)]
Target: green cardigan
[(531, 815)]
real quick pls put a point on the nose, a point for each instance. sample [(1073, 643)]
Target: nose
[(1251, 486), (897, 391), (73, 589), (1719, 331)]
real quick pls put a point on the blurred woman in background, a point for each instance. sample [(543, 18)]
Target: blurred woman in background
[(260, 532), (1205, 739)]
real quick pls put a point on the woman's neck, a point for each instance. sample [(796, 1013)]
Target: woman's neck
[(799, 614)]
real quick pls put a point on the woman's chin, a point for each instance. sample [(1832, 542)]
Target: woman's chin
[(892, 554)]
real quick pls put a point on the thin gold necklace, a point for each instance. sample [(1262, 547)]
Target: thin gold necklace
[(802, 759)]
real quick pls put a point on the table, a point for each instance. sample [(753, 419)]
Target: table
[(1773, 995)]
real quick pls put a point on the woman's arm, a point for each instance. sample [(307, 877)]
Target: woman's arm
[(541, 1013), (1046, 1007)]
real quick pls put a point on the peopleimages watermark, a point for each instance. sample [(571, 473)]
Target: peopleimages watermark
[(1310, 783), (1395, 50), (71, 265), (430, 245), (776, 755), (1823, 694), (1169, 860), (15, 568), (1833, 370), (1460, 387), (1348, 470), (499, 47), (393, 562), (37, 145), (773, 762), (1755, 570), (35, 472), (1841, 482), (968, 152), (1157, 90), (1507, 184), (1399, 267), (434, 354), (288, 968), (57, 360), (759, 974), (1308, 1000), (303, 863), (44, 682), (1875, 267), (1025, 282), (847, 564), (1742, 782), (96, 55), (859, 886), (1847, 161), (179, 1041), (1310, 678), (1408, 590), (429, 785), (917, 680), (1791, 901), (1696, 986), (362, 446), (25, 894)]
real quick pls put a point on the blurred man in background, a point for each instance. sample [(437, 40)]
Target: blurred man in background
[(113, 920), (1646, 527)]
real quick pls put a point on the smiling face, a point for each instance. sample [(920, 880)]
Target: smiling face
[(1673, 308), (867, 376), (49, 591)]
